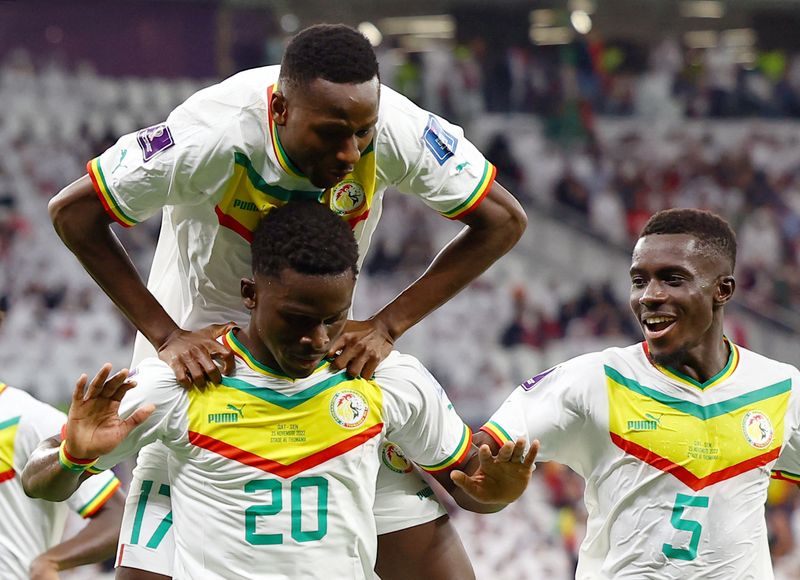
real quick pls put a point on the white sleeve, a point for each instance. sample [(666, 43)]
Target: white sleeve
[(41, 421), (155, 383), (38, 422), (552, 407), (787, 466), (425, 155), (183, 161), (418, 415)]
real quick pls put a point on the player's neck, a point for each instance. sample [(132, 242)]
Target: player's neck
[(702, 362), (257, 349)]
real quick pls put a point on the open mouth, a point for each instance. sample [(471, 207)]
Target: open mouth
[(656, 326)]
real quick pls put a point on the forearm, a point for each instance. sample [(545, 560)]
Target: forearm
[(45, 478), (97, 541), (82, 224), (491, 231)]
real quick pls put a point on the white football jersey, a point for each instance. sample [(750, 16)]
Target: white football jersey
[(216, 166), (676, 471), (28, 526), (274, 478)]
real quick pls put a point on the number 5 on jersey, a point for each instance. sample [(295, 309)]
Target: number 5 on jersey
[(686, 525)]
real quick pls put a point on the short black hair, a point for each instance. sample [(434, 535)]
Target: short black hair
[(711, 231), (305, 236), (333, 52)]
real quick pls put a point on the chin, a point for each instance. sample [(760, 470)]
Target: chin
[(668, 358)]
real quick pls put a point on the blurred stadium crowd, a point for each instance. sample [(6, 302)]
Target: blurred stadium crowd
[(601, 150)]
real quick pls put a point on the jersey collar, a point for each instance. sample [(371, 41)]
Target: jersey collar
[(239, 350), (280, 154), (727, 370)]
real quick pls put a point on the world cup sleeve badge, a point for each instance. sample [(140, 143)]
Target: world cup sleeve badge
[(153, 140)]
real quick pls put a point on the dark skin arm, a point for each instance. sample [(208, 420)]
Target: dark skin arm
[(84, 226), (93, 428), (492, 477), (96, 542), (492, 230), (432, 551)]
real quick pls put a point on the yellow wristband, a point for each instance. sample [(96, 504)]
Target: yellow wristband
[(71, 463)]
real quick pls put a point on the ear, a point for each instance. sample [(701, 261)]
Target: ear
[(726, 285), (278, 108), (248, 290)]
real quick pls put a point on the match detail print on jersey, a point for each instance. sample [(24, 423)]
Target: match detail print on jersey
[(698, 444)]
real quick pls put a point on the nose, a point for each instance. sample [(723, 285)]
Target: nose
[(317, 338), (349, 153), (653, 293)]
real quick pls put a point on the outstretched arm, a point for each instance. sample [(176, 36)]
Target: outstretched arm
[(96, 542), (54, 471), (492, 230), (493, 477), (84, 226)]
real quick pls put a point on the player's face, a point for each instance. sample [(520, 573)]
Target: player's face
[(324, 126), (296, 317), (677, 291)]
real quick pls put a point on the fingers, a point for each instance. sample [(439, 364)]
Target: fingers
[(138, 417), (337, 347), (214, 331), (466, 483), (360, 359), (225, 356), (518, 451), (505, 452), (96, 384), (113, 387), (369, 368), (80, 384), (192, 355), (532, 453), (194, 370)]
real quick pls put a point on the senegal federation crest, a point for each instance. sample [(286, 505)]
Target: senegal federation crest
[(347, 196), (349, 409), (393, 458), (757, 429)]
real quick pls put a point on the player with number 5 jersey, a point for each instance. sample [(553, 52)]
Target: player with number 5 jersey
[(675, 436)]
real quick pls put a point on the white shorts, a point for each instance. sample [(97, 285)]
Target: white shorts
[(146, 540)]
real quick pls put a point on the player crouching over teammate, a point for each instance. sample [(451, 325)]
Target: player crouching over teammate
[(272, 470)]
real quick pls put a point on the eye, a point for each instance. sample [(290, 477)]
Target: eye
[(637, 281), (363, 133), (335, 319), (674, 280)]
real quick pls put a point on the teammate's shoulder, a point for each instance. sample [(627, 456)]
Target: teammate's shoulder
[(398, 361), (397, 113), (18, 398), (597, 360), (751, 361), (153, 368)]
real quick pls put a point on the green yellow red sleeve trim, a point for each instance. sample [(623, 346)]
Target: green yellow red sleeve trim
[(477, 195), (99, 500), (786, 476), (106, 198), (456, 457), (496, 432)]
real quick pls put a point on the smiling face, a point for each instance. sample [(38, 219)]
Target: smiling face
[(324, 126), (296, 317), (678, 289)]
